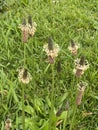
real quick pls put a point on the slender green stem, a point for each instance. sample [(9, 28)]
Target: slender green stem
[(23, 93), (73, 118), (23, 108), (52, 93), (24, 54), (52, 123), (75, 106), (64, 123)]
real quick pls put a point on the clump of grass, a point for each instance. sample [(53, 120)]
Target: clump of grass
[(3, 5)]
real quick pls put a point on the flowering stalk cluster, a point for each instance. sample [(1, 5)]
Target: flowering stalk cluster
[(23, 75), (73, 48), (52, 49), (81, 65), (27, 29)]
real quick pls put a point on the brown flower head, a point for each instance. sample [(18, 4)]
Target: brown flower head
[(32, 26), (80, 66), (8, 124), (24, 76), (81, 89), (73, 48), (51, 50), (24, 28)]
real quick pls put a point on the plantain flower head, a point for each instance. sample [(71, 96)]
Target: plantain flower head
[(27, 28), (73, 48), (32, 26), (8, 124), (24, 76), (81, 89), (51, 50), (24, 28), (81, 65)]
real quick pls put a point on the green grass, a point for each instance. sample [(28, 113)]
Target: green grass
[(63, 21)]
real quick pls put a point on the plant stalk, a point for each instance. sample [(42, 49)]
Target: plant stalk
[(52, 93), (23, 93), (73, 118), (23, 108), (65, 119), (52, 122)]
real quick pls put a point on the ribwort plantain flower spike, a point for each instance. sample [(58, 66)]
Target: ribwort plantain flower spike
[(8, 124), (73, 48), (27, 28), (32, 26), (24, 76), (81, 89), (51, 50), (24, 28), (81, 65)]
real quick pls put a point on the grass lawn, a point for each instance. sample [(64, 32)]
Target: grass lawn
[(48, 102)]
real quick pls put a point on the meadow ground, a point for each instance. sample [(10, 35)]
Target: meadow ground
[(62, 20)]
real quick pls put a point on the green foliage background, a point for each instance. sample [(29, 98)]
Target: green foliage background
[(63, 20)]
